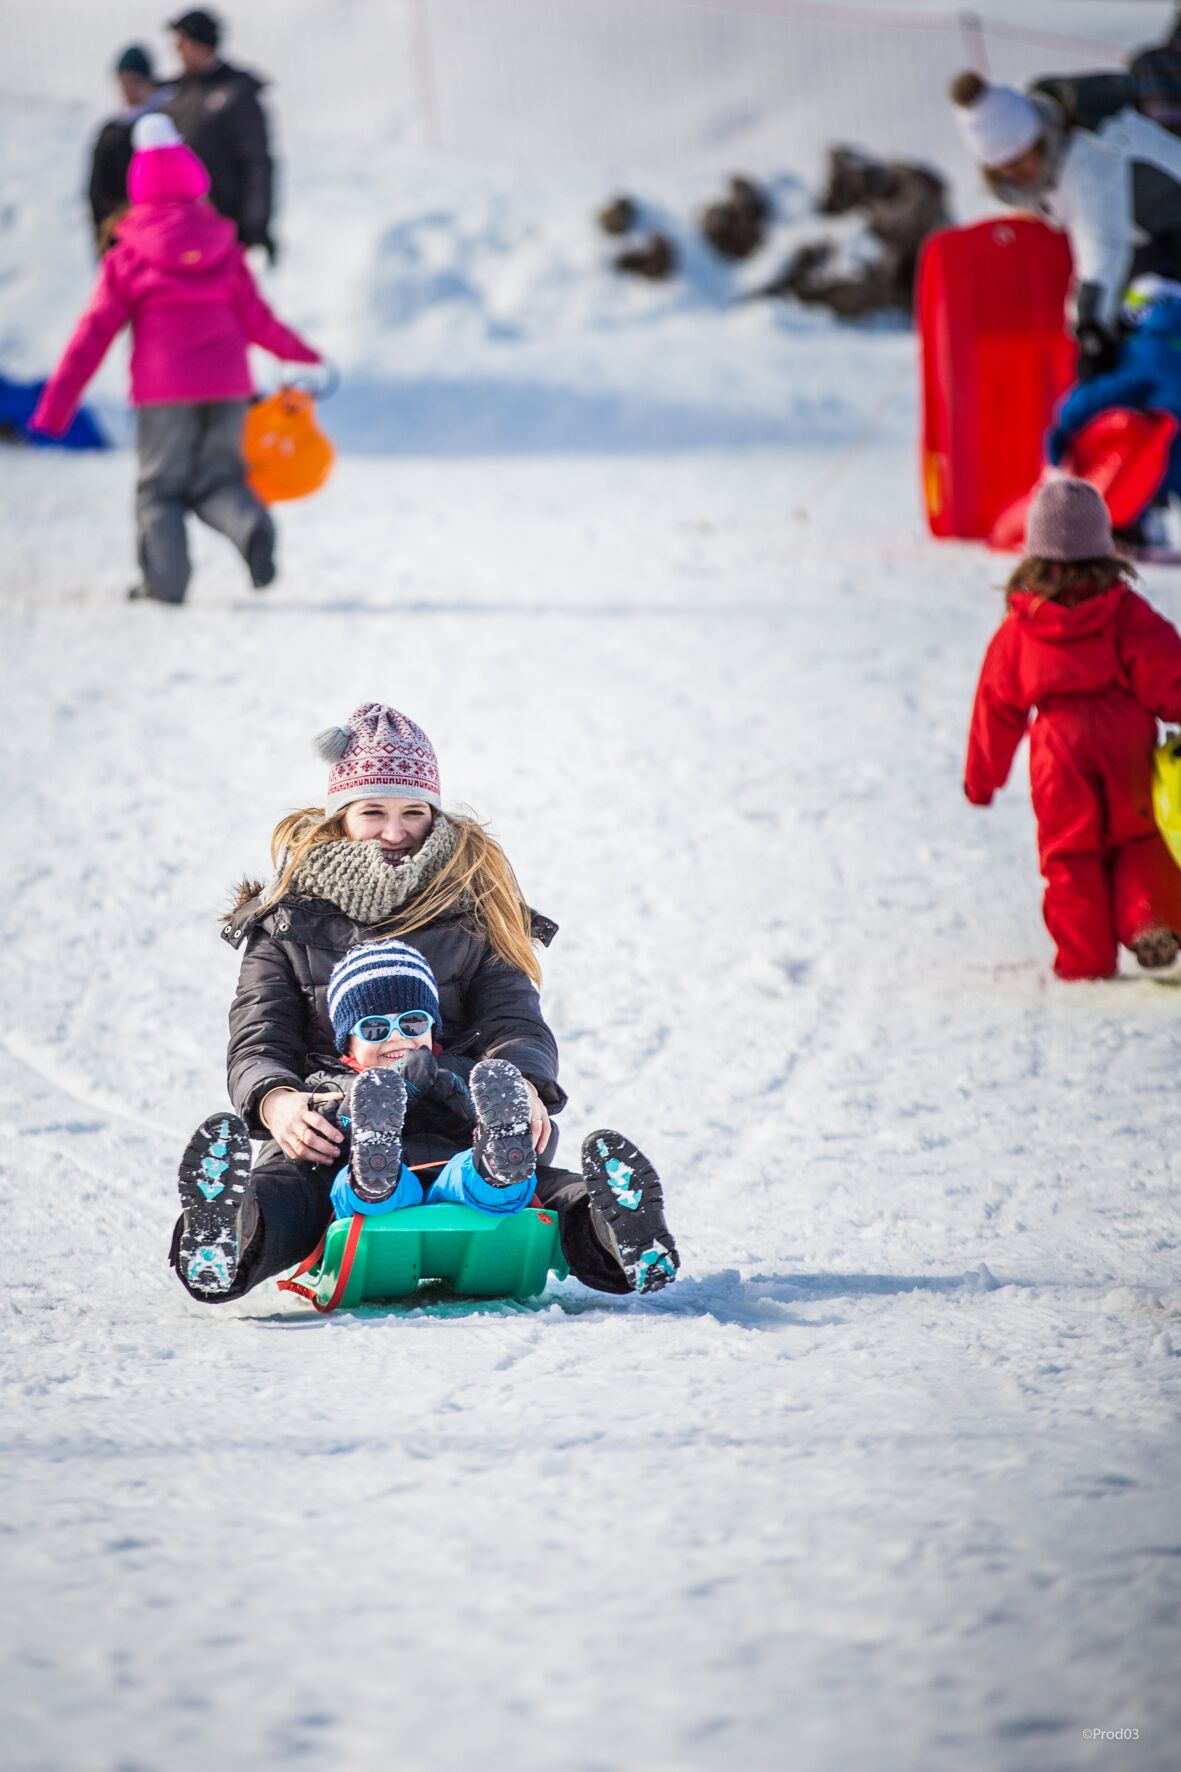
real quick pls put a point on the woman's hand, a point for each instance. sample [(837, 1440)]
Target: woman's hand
[(299, 1130), (539, 1120)]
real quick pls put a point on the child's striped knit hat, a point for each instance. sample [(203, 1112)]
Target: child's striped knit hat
[(379, 978)]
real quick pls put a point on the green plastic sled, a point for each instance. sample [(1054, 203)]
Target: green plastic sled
[(365, 1260)]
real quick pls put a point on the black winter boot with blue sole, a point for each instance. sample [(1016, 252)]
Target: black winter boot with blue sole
[(626, 1195), (218, 1203), (376, 1113)]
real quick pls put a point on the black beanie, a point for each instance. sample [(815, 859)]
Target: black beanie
[(135, 60), (202, 27)]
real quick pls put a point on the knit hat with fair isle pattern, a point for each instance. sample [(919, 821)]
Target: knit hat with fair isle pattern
[(379, 753)]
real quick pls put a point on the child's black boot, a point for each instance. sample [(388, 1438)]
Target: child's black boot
[(503, 1142), (627, 1204), (376, 1113), (217, 1200)]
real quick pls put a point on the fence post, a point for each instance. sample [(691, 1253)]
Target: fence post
[(975, 48)]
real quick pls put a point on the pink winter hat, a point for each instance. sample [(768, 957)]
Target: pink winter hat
[(1068, 520), (163, 169), (380, 752)]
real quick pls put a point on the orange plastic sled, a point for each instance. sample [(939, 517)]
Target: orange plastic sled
[(1122, 453), (287, 454)]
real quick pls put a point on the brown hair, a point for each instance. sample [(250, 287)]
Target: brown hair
[(478, 873), (1068, 581)]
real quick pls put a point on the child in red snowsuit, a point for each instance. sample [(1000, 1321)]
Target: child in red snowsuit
[(1101, 667)]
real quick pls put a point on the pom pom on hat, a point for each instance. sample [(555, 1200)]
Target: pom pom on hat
[(998, 122), (154, 131), (331, 744)]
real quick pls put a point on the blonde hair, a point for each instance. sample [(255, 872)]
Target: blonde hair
[(478, 873)]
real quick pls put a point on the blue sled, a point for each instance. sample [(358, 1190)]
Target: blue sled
[(18, 401)]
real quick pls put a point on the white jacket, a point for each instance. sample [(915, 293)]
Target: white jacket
[(1114, 188)]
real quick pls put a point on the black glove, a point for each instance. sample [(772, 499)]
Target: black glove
[(421, 1072), (432, 1083), (1098, 351)]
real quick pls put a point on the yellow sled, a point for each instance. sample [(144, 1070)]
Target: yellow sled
[(1166, 793)]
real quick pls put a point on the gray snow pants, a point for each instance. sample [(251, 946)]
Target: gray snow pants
[(190, 459)]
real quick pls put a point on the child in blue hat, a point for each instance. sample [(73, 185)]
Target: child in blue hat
[(384, 1004)]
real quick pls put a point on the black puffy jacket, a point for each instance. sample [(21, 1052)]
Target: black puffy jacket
[(109, 165), (280, 1029), (219, 116)]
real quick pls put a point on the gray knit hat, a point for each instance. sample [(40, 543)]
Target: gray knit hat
[(1068, 521)]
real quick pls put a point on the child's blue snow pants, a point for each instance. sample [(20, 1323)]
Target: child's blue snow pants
[(458, 1183)]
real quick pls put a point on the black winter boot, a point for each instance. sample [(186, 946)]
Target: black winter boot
[(376, 1112), (503, 1144), (218, 1203), (260, 555), (627, 1201)]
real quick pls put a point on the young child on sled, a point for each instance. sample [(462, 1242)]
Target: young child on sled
[(384, 1004), (383, 1000), (1100, 667)]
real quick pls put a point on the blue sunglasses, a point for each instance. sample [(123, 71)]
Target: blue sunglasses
[(411, 1024)]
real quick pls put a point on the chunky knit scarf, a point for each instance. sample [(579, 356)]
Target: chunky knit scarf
[(356, 878)]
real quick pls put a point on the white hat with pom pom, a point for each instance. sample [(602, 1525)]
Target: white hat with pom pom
[(379, 753), (998, 122)]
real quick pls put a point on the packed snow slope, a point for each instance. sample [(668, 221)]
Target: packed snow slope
[(888, 1478)]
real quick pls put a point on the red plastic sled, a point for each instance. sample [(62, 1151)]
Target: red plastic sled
[(1125, 454), (995, 360)]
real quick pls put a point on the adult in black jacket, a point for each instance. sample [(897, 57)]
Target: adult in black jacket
[(381, 859), (111, 156), (216, 110)]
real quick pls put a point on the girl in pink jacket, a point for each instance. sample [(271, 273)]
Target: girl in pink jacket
[(178, 277)]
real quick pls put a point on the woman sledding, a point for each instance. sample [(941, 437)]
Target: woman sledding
[(380, 862)]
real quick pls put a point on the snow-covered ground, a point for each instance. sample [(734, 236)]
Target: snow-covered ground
[(888, 1478)]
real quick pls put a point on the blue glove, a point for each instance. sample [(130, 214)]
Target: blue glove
[(1057, 443)]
